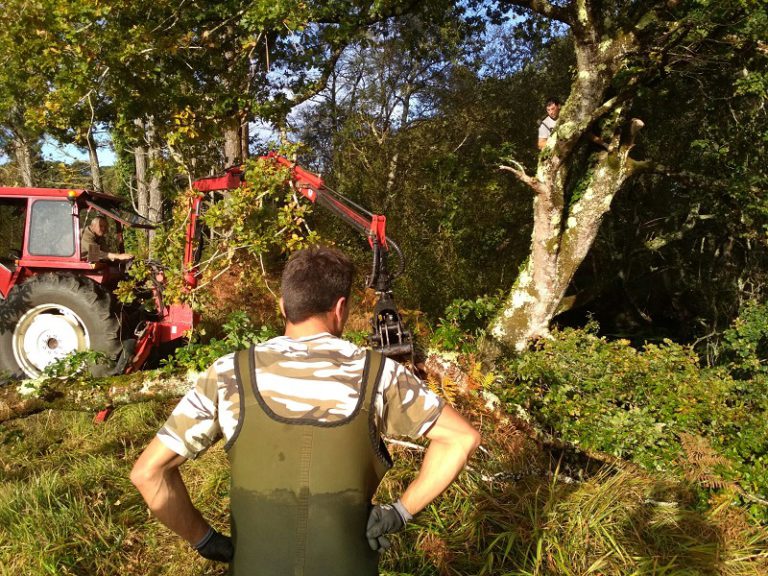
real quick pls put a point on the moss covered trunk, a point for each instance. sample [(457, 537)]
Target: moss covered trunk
[(580, 170)]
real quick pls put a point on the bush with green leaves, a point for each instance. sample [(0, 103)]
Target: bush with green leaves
[(637, 404), (241, 226), (746, 341), (74, 365), (464, 322), (239, 332)]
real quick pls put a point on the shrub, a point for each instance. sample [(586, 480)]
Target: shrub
[(239, 332), (637, 404), (746, 341), (464, 322)]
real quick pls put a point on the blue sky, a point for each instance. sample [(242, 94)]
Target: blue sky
[(54, 151)]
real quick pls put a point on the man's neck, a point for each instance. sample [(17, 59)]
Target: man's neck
[(309, 327)]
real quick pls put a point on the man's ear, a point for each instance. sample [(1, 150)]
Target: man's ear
[(340, 314), (282, 307), (340, 307)]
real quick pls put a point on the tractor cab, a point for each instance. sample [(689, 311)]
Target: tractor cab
[(42, 231), (53, 299)]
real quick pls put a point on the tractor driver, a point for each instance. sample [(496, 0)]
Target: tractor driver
[(301, 416), (95, 235)]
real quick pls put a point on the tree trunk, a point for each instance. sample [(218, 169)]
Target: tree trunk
[(579, 173), (147, 154), (394, 162), (140, 159), (232, 141), (93, 158), (142, 188), (245, 138), (557, 253), (23, 155), (155, 194)]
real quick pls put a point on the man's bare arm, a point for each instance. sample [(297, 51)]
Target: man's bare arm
[(452, 440), (156, 476)]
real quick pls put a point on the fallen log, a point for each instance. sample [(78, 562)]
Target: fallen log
[(28, 397), (88, 395)]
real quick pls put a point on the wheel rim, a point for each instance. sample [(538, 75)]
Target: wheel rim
[(45, 334)]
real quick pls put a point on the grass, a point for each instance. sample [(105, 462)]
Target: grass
[(67, 508)]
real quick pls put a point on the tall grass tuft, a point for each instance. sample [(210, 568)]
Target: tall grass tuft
[(68, 508)]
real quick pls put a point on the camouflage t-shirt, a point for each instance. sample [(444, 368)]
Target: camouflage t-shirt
[(315, 377)]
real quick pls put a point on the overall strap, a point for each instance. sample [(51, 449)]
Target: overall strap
[(243, 370), (374, 368), (244, 381)]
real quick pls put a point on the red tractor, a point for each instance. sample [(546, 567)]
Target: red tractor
[(54, 300)]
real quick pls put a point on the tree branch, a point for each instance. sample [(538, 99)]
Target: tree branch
[(320, 84), (562, 14), (519, 172), (693, 178)]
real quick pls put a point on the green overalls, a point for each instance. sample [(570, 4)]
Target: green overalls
[(301, 490)]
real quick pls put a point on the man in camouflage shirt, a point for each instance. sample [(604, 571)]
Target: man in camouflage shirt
[(308, 456)]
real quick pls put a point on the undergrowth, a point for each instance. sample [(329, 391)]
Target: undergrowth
[(238, 332), (67, 507), (656, 407), (597, 458)]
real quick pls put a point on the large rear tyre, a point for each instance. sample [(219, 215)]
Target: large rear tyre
[(50, 316)]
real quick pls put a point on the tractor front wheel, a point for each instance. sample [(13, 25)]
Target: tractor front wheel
[(50, 316)]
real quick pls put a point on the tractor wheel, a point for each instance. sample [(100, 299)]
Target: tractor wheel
[(51, 315)]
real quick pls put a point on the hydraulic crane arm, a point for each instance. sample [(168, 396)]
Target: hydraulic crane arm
[(388, 334)]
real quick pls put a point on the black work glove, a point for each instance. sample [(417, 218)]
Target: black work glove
[(385, 519), (215, 546)]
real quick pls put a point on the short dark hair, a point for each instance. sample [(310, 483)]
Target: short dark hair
[(552, 100), (99, 218), (313, 281)]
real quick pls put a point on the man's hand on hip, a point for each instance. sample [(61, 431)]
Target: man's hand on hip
[(385, 519), (215, 546)]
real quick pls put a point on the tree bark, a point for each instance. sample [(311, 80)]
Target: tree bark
[(19, 401), (23, 155), (245, 138), (155, 211), (147, 156), (232, 141), (93, 158), (140, 160)]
